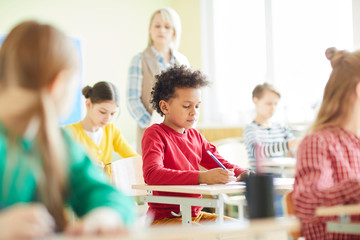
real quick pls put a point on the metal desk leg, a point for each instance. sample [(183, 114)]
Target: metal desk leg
[(219, 210), (186, 214), (186, 203)]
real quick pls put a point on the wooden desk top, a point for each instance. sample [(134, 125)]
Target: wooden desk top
[(205, 231), (238, 187), (353, 209)]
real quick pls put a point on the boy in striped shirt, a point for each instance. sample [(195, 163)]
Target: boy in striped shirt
[(266, 138), (276, 140)]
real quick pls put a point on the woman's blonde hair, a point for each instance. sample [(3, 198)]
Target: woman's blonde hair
[(339, 91), (169, 15), (31, 57)]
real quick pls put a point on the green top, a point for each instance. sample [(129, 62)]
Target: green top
[(87, 186)]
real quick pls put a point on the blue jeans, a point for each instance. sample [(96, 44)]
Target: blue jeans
[(278, 206)]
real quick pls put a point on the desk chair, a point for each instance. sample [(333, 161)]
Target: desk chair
[(234, 151), (127, 172), (289, 211)]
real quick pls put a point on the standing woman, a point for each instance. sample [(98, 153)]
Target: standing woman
[(161, 53), (328, 159)]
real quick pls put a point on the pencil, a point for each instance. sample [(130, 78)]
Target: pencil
[(216, 160)]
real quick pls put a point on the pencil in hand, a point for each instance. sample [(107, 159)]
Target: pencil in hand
[(216, 160)]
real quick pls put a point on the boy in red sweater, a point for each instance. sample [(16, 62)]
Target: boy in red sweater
[(173, 150)]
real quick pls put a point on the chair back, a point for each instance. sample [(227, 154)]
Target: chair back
[(289, 210), (127, 172), (288, 205), (233, 150)]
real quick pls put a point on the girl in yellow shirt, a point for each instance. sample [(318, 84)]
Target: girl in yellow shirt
[(95, 131)]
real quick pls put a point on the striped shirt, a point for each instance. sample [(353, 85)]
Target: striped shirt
[(327, 174), (273, 140), (134, 89)]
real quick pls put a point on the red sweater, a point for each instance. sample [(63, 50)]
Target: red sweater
[(173, 158), (327, 174)]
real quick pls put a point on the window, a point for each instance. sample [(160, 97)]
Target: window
[(278, 41)]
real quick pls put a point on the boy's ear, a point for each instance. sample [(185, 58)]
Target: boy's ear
[(255, 100), (164, 107)]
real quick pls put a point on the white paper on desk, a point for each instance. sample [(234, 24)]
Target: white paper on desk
[(235, 183)]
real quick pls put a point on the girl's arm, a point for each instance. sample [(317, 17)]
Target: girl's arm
[(134, 91), (100, 221), (25, 221), (121, 146), (89, 190)]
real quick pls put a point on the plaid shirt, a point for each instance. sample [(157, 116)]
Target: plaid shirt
[(134, 90), (327, 174)]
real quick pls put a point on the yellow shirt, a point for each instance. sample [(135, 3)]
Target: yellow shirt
[(111, 140)]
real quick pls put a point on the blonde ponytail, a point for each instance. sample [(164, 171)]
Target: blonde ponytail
[(52, 149)]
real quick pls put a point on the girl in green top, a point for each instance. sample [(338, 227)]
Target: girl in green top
[(41, 168)]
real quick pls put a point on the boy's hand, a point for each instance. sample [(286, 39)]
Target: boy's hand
[(293, 144), (244, 175), (216, 176), (25, 221)]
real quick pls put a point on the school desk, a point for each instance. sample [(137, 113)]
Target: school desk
[(266, 229), (285, 166), (344, 212), (281, 186)]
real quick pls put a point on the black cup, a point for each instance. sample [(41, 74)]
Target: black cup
[(260, 196)]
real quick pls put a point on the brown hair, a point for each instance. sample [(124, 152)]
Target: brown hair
[(101, 91), (260, 89), (340, 88), (31, 57)]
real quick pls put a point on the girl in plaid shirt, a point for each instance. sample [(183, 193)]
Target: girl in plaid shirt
[(328, 159)]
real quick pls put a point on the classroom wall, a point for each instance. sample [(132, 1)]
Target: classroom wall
[(111, 32), (190, 46)]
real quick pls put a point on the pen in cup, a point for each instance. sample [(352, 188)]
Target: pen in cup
[(216, 160)]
